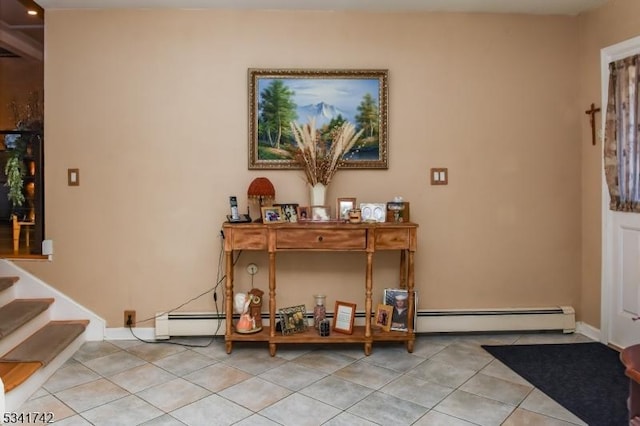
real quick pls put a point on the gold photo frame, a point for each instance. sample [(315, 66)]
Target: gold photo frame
[(345, 91), (343, 317), (293, 319), (383, 317), (272, 214)]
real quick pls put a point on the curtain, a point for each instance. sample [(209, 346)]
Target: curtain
[(622, 136)]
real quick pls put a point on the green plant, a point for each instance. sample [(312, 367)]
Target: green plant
[(15, 172), (27, 117)]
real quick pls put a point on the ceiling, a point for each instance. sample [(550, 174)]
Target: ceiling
[(544, 7), (23, 35), (20, 33)]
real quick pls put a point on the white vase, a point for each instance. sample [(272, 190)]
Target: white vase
[(317, 194)]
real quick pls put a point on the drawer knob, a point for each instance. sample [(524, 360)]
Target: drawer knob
[(320, 238)]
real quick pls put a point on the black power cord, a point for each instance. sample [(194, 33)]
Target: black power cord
[(220, 278)]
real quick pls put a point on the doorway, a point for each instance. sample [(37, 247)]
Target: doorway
[(620, 282)]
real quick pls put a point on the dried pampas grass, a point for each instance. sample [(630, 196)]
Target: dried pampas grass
[(318, 162)]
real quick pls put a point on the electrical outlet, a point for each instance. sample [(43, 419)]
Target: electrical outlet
[(129, 318)]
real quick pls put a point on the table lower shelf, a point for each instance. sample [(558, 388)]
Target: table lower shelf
[(311, 336)]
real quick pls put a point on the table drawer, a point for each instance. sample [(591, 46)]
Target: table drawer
[(319, 239), (249, 239), (392, 239)]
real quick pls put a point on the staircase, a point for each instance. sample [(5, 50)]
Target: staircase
[(40, 329)]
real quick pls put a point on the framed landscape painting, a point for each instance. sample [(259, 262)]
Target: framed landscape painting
[(280, 97)]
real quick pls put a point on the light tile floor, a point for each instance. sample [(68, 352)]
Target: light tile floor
[(448, 380)]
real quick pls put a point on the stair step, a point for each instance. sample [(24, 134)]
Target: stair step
[(45, 344), (17, 313), (15, 373), (6, 282)]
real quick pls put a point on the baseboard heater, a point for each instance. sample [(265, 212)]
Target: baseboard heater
[(560, 318)]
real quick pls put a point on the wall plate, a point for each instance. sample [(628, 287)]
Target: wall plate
[(252, 269)]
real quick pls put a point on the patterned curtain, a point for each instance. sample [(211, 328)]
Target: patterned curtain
[(622, 136)]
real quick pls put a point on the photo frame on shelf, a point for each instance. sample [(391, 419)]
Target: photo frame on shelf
[(289, 212), (398, 299), (383, 317), (272, 214), (343, 206), (304, 213), (293, 319), (343, 317), (321, 213), (358, 96), (373, 212)]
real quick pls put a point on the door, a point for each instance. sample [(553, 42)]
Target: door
[(625, 279), (620, 243)]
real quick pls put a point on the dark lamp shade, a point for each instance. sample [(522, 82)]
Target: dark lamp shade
[(261, 188)]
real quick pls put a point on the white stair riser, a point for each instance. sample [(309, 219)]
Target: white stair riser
[(16, 397), (18, 336), (7, 295)]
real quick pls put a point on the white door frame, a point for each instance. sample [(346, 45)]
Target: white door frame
[(608, 54)]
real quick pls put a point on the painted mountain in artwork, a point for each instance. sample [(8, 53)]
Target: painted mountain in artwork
[(322, 112)]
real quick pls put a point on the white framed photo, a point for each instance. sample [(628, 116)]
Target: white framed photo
[(373, 212), (398, 298)]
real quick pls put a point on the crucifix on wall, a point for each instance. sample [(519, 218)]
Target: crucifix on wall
[(592, 112)]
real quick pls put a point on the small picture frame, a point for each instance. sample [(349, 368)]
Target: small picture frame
[(373, 212), (320, 213), (343, 317), (289, 212), (293, 319), (304, 213), (343, 206), (272, 214), (383, 317), (398, 299)]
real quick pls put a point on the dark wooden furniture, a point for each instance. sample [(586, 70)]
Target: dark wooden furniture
[(630, 357), (317, 236)]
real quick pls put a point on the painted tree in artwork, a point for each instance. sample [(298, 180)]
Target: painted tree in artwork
[(367, 117), (277, 110)]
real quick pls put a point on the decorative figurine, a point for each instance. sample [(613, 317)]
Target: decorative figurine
[(246, 323)]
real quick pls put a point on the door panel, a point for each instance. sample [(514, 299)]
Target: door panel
[(626, 279)]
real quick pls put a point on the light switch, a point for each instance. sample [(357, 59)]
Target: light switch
[(73, 177), (439, 176)]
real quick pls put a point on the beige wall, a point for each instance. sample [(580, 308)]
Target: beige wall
[(151, 106), (617, 21)]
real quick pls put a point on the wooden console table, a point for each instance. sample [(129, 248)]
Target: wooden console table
[(318, 236)]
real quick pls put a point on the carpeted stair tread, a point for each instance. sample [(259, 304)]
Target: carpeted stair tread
[(6, 282), (15, 314), (15, 373), (45, 344)]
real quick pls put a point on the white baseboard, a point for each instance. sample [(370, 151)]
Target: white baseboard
[(123, 333), (589, 331)]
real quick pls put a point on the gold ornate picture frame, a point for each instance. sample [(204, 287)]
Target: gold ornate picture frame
[(331, 96), (293, 319)]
